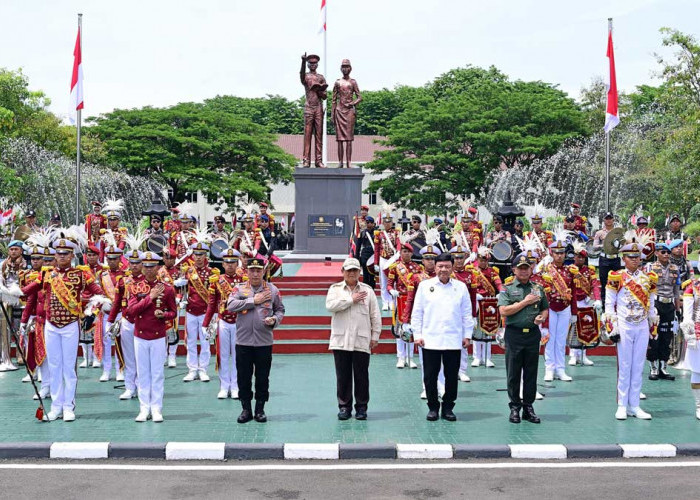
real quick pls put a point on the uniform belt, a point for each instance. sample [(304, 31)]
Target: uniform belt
[(521, 330), (665, 300), (611, 256)]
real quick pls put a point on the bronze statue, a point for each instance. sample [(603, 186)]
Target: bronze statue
[(343, 111), (315, 87)]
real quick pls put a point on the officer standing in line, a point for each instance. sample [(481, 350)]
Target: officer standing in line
[(524, 306)]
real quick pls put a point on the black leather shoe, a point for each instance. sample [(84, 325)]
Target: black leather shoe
[(432, 415), (260, 417), (514, 416), (344, 414), (449, 415), (653, 375), (245, 416), (664, 375), (360, 414), (530, 415)]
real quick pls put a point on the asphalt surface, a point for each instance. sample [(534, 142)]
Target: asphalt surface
[(500, 480)]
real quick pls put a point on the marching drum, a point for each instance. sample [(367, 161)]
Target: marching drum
[(502, 251), (218, 247), (156, 243)]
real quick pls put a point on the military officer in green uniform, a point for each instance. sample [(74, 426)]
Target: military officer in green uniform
[(524, 306)]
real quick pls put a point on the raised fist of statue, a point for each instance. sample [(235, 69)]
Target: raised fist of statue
[(303, 57)]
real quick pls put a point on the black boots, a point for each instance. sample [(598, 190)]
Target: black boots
[(654, 371), (247, 414), (260, 412), (530, 415), (663, 374), (514, 416)]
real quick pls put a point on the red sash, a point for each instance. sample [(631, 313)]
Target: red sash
[(636, 290), (559, 282), (489, 315)]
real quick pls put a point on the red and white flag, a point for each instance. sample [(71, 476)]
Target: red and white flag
[(612, 118), (5, 217), (322, 17), (76, 81)]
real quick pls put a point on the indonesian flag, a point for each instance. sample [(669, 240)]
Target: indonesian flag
[(612, 118), (76, 81), (5, 216), (322, 17)]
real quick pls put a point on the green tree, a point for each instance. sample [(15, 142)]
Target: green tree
[(469, 123), (277, 114), (191, 147)]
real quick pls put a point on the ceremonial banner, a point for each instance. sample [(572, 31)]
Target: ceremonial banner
[(489, 316), (76, 82), (587, 330), (612, 118)]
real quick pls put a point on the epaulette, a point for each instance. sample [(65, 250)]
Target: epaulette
[(685, 284), (573, 269), (216, 271), (591, 268), (83, 267), (376, 232), (46, 268), (213, 278), (509, 280), (122, 230), (547, 277), (584, 218), (614, 276), (495, 269), (469, 267), (653, 277)]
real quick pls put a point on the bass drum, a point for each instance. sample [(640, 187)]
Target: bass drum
[(218, 247), (502, 251), (156, 243)]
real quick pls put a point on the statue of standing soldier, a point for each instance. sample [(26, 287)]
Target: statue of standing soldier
[(346, 95), (315, 87)]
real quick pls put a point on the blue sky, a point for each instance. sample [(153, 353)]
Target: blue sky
[(157, 52)]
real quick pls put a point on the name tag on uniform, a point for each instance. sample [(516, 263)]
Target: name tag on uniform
[(516, 293)]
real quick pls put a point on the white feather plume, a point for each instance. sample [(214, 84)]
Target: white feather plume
[(432, 236), (387, 208), (42, 237), (74, 233), (249, 208), (11, 294), (112, 204), (579, 246), (109, 238), (631, 236), (95, 303), (561, 234), (483, 251), (201, 235), (186, 208), (134, 240)]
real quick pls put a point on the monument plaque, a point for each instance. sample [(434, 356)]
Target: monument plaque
[(328, 226)]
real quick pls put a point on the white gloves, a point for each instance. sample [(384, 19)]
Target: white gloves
[(407, 328), (598, 306), (653, 320), (183, 304), (479, 296), (22, 328), (376, 268), (573, 319), (544, 332), (394, 293)]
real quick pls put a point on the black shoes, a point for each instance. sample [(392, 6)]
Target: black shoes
[(663, 374), (344, 414), (260, 412), (530, 415), (245, 416), (514, 416), (448, 415), (432, 416), (360, 414)]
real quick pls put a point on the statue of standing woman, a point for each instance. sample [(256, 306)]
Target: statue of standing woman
[(315, 87), (346, 95)]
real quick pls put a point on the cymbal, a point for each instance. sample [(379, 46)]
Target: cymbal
[(614, 241)]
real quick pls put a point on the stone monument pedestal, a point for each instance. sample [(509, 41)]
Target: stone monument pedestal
[(326, 200)]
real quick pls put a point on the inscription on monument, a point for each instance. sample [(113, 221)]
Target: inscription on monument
[(328, 226)]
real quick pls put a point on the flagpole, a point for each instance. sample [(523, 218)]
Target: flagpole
[(325, 73), (78, 123), (607, 149)]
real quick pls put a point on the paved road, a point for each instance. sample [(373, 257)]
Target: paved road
[(589, 480)]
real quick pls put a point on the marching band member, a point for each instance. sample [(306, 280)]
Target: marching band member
[(545, 236), (486, 286), (248, 241), (630, 319), (95, 222), (386, 248), (579, 220), (26, 276), (109, 279), (220, 287), (562, 310), (668, 301), (173, 273), (691, 331), (196, 277), (63, 287), (113, 210), (397, 284), (364, 251), (92, 255), (152, 304), (586, 294), (428, 253), (125, 342)]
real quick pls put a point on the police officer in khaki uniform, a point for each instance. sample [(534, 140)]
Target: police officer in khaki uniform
[(524, 306)]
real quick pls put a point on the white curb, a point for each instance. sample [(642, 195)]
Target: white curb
[(312, 451), (539, 451), (194, 451), (424, 451), (648, 450), (79, 450)]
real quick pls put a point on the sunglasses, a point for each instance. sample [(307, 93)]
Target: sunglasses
[(664, 252)]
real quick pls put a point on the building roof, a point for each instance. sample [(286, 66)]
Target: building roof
[(363, 147)]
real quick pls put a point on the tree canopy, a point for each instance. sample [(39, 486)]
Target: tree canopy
[(191, 147), (467, 123)]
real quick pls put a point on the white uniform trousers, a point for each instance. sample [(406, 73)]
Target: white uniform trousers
[(172, 350), (404, 349), (464, 361), (62, 352), (107, 344), (631, 353), (127, 341), (228, 377), (383, 278), (150, 357), (194, 332), (555, 352), (88, 353)]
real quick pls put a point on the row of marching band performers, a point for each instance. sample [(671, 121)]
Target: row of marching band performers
[(135, 301), (637, 294)]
